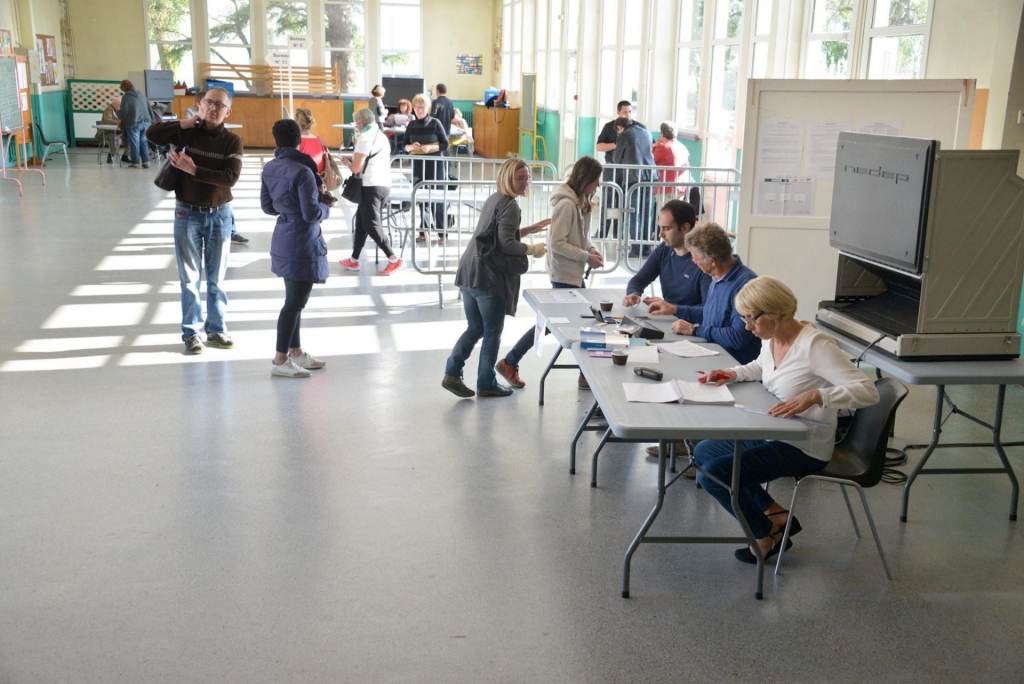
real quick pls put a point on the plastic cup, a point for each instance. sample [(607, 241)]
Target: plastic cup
[(619, 357), (606, 305)]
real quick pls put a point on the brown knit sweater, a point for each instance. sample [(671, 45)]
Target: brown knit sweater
[(218, 157)]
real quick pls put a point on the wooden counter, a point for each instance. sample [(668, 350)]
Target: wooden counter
[(496, 131), (258, 114)]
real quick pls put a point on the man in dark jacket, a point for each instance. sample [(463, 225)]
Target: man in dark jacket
[(442, 109), (634, 146), (135, 120), (209, 161), (289, 190)]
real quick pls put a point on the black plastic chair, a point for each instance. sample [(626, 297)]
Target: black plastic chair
[(47, 144), (859, 459)]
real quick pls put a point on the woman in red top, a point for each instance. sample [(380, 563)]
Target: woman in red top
[(670, 152), (311, 143)]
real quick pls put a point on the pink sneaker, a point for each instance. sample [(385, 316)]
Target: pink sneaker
[(391, 267), (349, 265)]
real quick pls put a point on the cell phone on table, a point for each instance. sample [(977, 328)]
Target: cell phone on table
[(650, 373)]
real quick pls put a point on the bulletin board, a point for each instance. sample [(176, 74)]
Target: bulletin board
[(47, 48), (10, 107), (789, 157)]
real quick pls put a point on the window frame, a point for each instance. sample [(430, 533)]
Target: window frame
[(381, 52), (894, 32), (853, 36)]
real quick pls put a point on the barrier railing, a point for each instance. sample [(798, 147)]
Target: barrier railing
[(642, 203), (450, 210), (466, 168)]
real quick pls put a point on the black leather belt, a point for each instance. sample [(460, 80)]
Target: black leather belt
[(203, 210)]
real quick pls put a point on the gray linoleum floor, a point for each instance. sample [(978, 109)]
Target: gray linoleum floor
[(175, 519)]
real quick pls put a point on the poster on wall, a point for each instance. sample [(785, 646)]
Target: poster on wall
[(497, 45), (6, 42), (472, 65), (46, 46)]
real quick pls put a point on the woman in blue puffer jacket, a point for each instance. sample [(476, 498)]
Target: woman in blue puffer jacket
[(298, 253)]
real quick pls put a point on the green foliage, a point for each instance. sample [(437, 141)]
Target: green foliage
[(836, 53), (165, 18)]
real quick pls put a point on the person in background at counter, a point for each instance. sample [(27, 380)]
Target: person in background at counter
[(397, 120), (443, 110), (311, 143), (682, 281), (668, 151), (135, 120), (811, 377), (377, 107), (109, 138), (717, 320)]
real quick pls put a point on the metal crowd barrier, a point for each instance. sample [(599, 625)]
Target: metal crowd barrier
[(469, 168), (456, 205)]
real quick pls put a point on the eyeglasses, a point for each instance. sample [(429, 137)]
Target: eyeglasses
[(751, 319), (214, 103)]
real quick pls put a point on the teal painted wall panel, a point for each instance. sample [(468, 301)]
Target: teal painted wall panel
[(50, 112), (586, 136), (549, 128)]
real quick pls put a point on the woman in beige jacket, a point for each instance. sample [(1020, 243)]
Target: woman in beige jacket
[(570, 251)]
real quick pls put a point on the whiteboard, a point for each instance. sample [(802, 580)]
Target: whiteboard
[(795, 248), (10, 103)]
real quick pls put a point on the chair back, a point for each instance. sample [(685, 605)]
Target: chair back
[(861, 455), (39, 134)]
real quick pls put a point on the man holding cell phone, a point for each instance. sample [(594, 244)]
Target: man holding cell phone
[(209, 161)]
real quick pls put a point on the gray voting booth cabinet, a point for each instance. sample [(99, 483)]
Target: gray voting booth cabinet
[(931, 248)]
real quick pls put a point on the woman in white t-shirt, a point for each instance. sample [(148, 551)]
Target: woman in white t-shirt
[(372, 158), (812, 377)]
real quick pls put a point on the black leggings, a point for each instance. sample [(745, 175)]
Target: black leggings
[(296, 294), (368, 220)]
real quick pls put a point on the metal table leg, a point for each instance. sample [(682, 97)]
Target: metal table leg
[(576, 438), (662, 448), (936, 431)]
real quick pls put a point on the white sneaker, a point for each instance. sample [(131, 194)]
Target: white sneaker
[(288, 369), (304, 360)]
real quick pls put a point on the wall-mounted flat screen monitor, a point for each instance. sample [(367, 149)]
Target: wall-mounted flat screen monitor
[(401, 88), (880, 198)]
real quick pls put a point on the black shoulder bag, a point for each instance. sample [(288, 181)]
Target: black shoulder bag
[(352, 190)]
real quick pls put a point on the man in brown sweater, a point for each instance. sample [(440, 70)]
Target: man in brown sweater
[(208, 160)]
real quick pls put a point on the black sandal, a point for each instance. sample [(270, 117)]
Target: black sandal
[(793, 529), (745, 555)]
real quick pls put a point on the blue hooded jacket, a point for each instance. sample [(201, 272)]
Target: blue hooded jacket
[(289, 190)]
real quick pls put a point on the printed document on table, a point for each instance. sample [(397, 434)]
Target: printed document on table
[(560, 296), (643, 355), (651, 392), (687, 349), (705, 393)]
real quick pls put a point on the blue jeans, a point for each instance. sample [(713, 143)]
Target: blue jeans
[(485, 314), (137, 143), (525, 343), (202, 241), (761, 461)]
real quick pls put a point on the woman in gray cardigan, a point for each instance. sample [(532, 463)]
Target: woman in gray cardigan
[(570, 251), (487, 294)]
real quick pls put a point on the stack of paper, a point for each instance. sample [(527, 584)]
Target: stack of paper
[(687, 349)]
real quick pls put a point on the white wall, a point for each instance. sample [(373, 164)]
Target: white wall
[(972, 39), (455, 27)]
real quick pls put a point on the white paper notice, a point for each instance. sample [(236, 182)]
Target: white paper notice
[(787, 196), (643, 355), (880, 126), (687, 349), (560, 296), (822, 144), (780, 147)]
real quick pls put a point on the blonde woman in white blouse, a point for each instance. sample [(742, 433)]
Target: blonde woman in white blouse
[(812, 378)]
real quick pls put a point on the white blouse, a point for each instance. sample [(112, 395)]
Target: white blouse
[(814, 362)]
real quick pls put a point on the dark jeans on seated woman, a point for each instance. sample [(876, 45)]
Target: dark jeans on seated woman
[(485, 314), (525, 343), (761, 461), (368, 220), (296, 294)]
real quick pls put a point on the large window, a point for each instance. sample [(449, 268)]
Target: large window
[(689, 55), (724, 81), (345, 43), (401, 38), (896, 38), (169, 27), (230, 36), (512, 44), (829, 39), (288, 18), (759, 39)]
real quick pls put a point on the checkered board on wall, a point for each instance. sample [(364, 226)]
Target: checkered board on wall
[(88, 100)]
